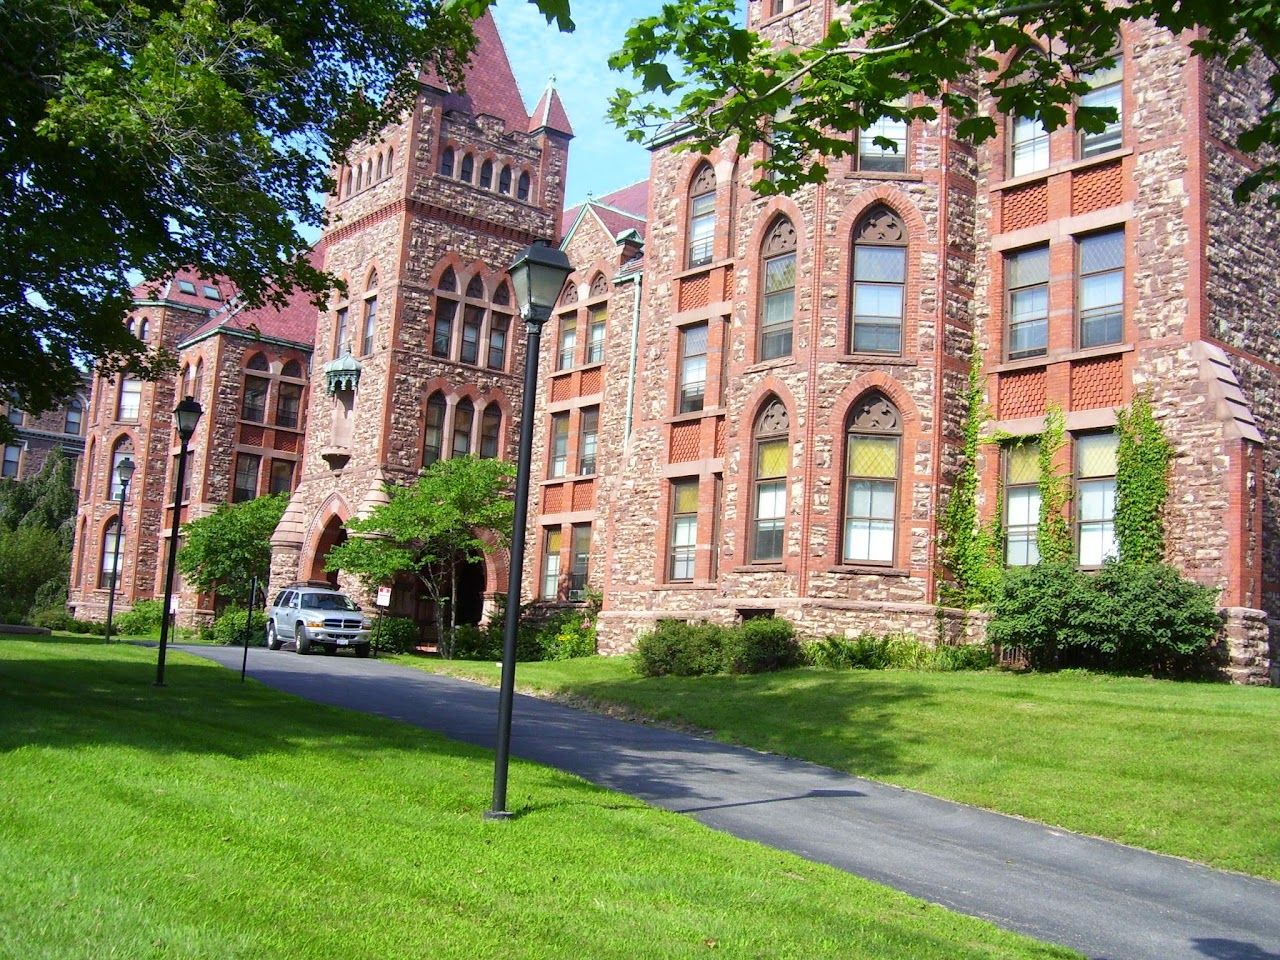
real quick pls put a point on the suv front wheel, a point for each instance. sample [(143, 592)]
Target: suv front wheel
[(273, 641), (300, 635)]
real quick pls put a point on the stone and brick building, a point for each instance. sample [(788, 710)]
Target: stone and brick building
[(36, 436), (250, 372), (754, 404), (779, 430)]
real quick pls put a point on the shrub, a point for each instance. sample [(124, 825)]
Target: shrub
[(575, 637), (142, 620), (1125, 617), (229, 628), (394, 634), (760, 645), (964, 656), (899, 652), (476, 643), (681, 649)]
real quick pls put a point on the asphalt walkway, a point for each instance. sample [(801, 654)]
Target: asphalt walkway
[(1108, 901)]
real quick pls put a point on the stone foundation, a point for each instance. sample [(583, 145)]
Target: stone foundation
[(1249, 647)]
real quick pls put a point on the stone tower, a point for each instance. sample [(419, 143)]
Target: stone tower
[(422, 357)]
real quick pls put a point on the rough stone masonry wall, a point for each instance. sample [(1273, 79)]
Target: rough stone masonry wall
[(1243, 288)]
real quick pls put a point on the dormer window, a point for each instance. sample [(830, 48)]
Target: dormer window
[(187, 287)]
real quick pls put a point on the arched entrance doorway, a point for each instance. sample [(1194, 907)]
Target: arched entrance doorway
[(333, 534), (471, 584)]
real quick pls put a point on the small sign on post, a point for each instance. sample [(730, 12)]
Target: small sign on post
[(384, 597), (383, 601)]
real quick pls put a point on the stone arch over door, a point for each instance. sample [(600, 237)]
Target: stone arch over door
[(331, 534)]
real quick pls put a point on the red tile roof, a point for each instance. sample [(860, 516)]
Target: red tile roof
[(489, 85), (550, 113), (171, 290), (623, 209), (295, 321)]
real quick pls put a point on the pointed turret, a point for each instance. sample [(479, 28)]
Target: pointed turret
[(489, 84), (550, 114)]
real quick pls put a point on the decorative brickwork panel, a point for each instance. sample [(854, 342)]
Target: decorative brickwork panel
[(1096, 188), (728, 285), (288, 442), (695, 292), (553, 498), (592, 382), (684, 442), (1097, 383), (584, 495), (561, 388), (251, 436), (1024, 206), (720, 434), (1021, 394)]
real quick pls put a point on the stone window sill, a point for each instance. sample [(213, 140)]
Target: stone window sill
[(762, 568), (685, 587), (1064, 356), (775, 364), (1068, 167), (871, 359), (703, 268), (693, 415), (905, 175), (868, 570)]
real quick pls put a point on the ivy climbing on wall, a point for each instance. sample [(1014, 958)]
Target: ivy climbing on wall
[(1053, 534), (1142, 483)]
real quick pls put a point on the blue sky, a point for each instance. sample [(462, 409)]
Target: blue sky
[(600, 158)]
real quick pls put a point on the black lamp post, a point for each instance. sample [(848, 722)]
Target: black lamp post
[(124, 473), (538, 275), (185, 417)]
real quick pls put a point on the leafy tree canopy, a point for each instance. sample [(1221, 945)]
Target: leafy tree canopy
[(695, 66), (227, 549), (152, 134), (46, 501)]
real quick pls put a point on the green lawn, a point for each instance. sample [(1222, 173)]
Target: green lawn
[(213, 819), (1183, 768)]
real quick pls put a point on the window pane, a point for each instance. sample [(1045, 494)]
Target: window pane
[(873, 456), (773, 458), (685, 497), (780, 273), (1024, 463), (1030, 146), (878, 300), (771, 500), (1024, 506), (1102, 251), (883, 264), (442, 336), (1027, 267), (1096, 454)]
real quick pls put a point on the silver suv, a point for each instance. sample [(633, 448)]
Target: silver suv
[(317, 615)]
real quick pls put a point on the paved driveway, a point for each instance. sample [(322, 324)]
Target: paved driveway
[(1108, 901)]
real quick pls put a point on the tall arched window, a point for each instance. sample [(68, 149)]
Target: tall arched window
[(873, 457), (144, 329), (472, 321), (504, 181), (112, 548), (486, 174), (123, 450), (464, 418), (253, 403), (879, 283), (197, 382), (702, 215), (289, 396), (378, 169), (445, 312), (490, 430), (771, 462), (499, 326), (522, 187), (391, 157), (777, 290), (433, 435), (468, 168), (1106, 91), (446, 162), (370, 326), (130, 399), (74, 419)]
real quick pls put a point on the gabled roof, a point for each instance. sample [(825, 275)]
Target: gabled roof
[(294, 321), (550, 113), (188, 288), (619, 211), (489, 85)]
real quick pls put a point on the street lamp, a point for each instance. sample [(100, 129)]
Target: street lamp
[(124, 473), (538, 275), (185, 416)]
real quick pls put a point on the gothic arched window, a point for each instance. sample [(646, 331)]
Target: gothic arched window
[(702, 215), (777, 290), (490, 430), (486, 174), (445, 312), (446, 162), (433, 435), (771, 461), (504, 181), (522, 187), (873, 456), (464, 417), (879, 283)]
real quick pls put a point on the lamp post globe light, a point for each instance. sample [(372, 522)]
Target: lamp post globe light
[(124, 473), (185, 417), (538, 274)]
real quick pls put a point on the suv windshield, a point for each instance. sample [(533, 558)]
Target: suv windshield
[(327, 601)]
